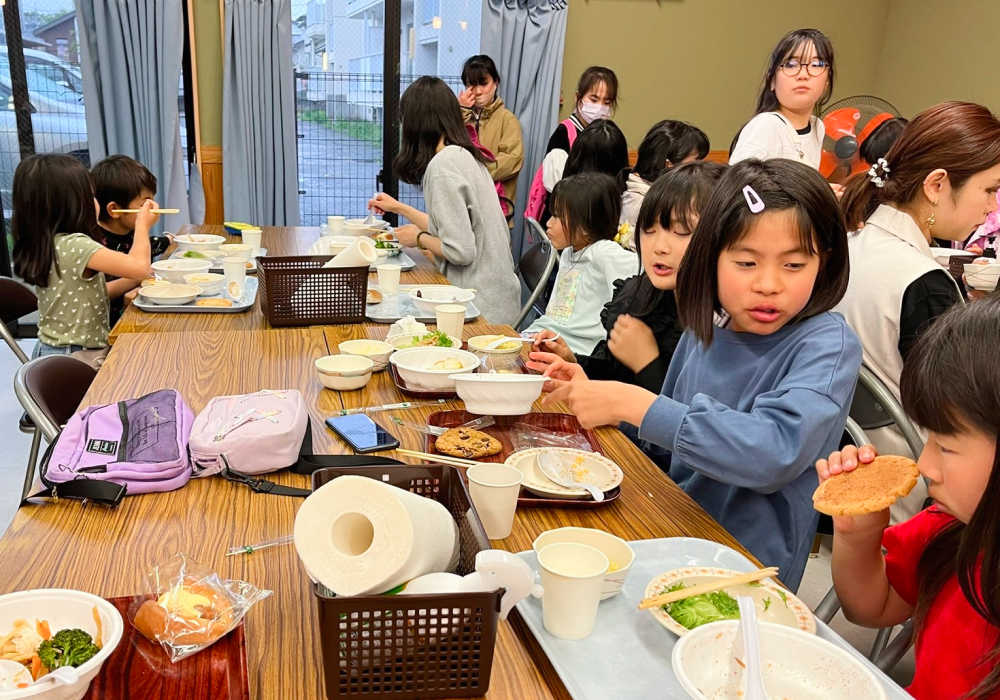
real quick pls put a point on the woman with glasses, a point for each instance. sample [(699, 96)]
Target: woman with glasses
[(798, 82)]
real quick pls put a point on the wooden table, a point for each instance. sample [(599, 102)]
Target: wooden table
[(66, 544), (278, 241)]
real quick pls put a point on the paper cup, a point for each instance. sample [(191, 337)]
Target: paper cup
[(494, 489), (234, 270), (360, 254), (388, 279), (335, 224), (572, 576), (252, 236), (450, 319)]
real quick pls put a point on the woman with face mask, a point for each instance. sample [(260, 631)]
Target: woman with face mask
[(496, 127)]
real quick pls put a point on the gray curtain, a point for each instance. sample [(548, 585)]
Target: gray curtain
[(525, 38), (260, 178), (130, 53)]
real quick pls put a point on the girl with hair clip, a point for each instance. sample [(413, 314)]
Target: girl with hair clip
[(939, 179), (941, 567), (796, 85), (641, 319), (464, 226), (54, 219), (746, 410), (585, 211)]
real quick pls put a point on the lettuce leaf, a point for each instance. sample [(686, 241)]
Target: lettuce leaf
[(701, 609)]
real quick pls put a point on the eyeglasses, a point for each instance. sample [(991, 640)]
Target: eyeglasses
[(814, 68)]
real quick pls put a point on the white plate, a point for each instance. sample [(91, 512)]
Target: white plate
[(604, 474)]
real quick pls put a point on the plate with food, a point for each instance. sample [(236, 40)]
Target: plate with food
[(774, 603), (432, 339), (590, 467), (176, 298), (480, 343), (214, 258)]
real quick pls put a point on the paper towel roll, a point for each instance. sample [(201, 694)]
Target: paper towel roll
[(359, 536), (361, 254)]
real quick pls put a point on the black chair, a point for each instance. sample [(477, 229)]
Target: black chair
[(50, 389), (17, 301), (534, 269), (874, 406)]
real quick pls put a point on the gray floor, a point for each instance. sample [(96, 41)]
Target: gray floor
[(815, 584)]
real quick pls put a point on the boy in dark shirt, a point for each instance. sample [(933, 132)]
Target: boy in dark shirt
[(121, 182)]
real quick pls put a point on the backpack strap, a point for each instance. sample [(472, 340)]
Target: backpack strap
[(571, 132), (105, 492)]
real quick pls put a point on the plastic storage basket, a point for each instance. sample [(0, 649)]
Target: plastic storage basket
[(299, 291), (412, 646)]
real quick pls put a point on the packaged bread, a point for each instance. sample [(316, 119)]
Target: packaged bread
[(869, 488)]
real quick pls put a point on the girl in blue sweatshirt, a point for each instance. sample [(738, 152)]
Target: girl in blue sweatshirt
[(747, 408)]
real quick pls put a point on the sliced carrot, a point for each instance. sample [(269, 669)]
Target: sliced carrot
[(42, 627), (36, 667)]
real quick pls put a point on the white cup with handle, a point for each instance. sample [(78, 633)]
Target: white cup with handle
[(572, 575)]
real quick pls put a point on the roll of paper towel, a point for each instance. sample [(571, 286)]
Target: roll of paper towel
[(359, 536)]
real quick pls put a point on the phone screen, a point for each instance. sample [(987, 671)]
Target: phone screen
[(362, 433)]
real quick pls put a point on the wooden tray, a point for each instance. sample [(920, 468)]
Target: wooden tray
[(556, 422), (139, 668), (517, 364)]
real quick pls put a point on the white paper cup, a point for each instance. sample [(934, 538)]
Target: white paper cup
[(450, 319), (361, 253), (234, 270), (494, 489), (572, 576), (252, 236), (388, 279), (335, 224)]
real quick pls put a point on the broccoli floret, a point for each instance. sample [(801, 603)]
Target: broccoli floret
[(67, 648)]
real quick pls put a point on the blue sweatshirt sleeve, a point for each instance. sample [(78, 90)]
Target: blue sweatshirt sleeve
[(769, 446)]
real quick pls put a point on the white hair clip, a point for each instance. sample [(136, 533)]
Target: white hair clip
[(754, 201), (879, 173)]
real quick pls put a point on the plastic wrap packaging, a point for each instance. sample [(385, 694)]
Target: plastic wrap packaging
[(525, 437), (187, 607)]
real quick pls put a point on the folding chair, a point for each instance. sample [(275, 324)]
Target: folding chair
[(874, 406), (16, 301), (534, 269)]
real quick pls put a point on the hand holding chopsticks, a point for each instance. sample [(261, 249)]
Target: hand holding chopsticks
[(710, 587)]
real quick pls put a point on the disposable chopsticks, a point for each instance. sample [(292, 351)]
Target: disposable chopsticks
[(710, 587)]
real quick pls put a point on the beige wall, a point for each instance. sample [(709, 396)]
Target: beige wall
[(701, 61), (914, 74), (208, 47)]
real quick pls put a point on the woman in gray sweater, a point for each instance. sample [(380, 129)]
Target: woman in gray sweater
[(464, 226)]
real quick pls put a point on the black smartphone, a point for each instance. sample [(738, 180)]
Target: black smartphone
[(362, 433)]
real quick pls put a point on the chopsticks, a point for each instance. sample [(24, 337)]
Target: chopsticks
[(441, 459), (711, 587), (151, 211)]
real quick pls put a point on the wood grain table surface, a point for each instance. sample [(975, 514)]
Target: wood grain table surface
[(278, 241), (88, 547)]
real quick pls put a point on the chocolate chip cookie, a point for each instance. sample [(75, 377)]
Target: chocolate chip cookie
[(468, 443)]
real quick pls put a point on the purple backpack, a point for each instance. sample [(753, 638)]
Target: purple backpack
[(135, 446)]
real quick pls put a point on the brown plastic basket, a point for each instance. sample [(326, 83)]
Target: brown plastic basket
[(299, 291), (412, 646)]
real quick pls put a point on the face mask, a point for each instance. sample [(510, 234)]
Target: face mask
[(592, 111)]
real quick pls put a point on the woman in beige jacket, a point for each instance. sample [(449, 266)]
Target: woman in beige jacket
[(496, 126)]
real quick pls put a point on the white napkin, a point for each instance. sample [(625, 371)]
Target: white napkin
[(407, 325), (361, 253)]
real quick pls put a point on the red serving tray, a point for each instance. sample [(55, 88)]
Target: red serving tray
[(556, 422), (518, 364), (140, 669)]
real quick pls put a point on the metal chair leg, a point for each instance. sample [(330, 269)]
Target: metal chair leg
[(29, 476), (881, 641)]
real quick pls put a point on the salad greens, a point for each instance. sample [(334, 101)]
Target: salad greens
[(767, 604), (701, 609), (438, 339)]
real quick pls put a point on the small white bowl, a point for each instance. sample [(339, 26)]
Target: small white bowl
[(414, 367), (614, 548), (171, 294), (795, 665), (479, 343), (174, 270), (375, 350), (432, 297), (982, 277), (344, 372), (236, 250), (402, 342), (63, 609), (198, 241), (210, 282), (376, 223), (499, 394)]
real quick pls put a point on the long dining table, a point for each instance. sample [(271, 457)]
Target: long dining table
[(109, 552)]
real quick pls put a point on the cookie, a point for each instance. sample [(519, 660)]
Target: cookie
[(868, 489), (468, 443), (213, 302)]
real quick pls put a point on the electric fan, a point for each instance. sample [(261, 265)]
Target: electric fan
[(848, 123)]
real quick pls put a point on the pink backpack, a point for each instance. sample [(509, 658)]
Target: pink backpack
[(538, 195)]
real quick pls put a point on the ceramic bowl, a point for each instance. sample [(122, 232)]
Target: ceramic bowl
[(377, 351), (171, 294), (982, 277), (432, 297), (402, 342), (795, 665), (479, 343), (614, 548), (174, 270), (774, 603), (499, 394), (601, 472), (414, 367), (63, 609), (344, 372), (210, 282), (236, 250), (198, 241)]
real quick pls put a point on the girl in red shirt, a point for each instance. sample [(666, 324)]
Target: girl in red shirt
[(942, 567)]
